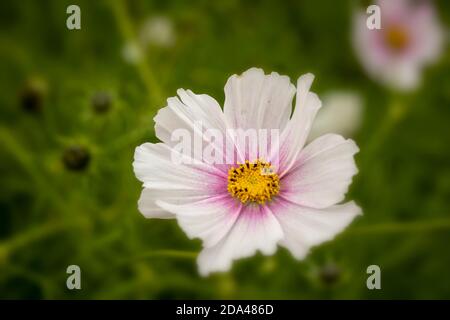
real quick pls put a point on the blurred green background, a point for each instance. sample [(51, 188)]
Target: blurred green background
[(75, 104)]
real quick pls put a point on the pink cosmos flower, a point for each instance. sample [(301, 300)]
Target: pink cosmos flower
[(410, 38), (240, 208)]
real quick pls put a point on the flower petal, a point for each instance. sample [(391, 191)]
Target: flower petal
[(193, 114), (322, 173), (153, 165), (255, 229), (258, 101), (294, 135), (208, 219), (147, 202), (306, 227)]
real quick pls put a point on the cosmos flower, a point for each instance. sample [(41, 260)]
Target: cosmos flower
[(341, 113), (254, 203), (410, 38)]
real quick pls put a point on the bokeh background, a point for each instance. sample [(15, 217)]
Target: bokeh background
[(75, 104)]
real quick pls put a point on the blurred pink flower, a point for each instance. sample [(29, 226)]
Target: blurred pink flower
[(239, 208), (410, 38)]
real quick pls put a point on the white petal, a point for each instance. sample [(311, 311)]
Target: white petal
[(373, 57), (147, 202), (430, 33), (294, 136), (209, 219), (401, 75), (153, 165), (255, 229), (306, 227), (322, 173), (258, 101), (194, 113)]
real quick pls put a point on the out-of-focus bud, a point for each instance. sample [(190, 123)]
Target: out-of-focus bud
[(32, 95), (158, 31), (341, 113), (101, 102), (132, 53), (329, 274), (76, 158)]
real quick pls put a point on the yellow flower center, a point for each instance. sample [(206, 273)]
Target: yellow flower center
[(253, 182), (397, 38)]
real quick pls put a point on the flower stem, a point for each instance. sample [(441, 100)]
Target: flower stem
[(401, 227), (170, 254), (159, 253), (397, 110), (30, 165), (34, 234), (143, 66)]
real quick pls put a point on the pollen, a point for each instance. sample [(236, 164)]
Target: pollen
[(397, 38), (253, 182)]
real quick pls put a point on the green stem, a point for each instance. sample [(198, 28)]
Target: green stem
[(396, 112), (29, 164), (169, 254), (143, 66), (128, 139), (160, 253), (34, 234), (401, 227), (11, 144)]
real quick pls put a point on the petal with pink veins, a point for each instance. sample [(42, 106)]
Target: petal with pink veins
[(255, 229), (322, 172), (258, 101), (147, 201), (153, 165), (305, 227), (297, 130), (209, 219)]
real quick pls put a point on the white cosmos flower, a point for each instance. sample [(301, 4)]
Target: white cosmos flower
[(410, 38), (237, 209), (341, 113)]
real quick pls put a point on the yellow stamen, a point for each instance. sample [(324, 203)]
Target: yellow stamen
[(253, 182), (397, 38)]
